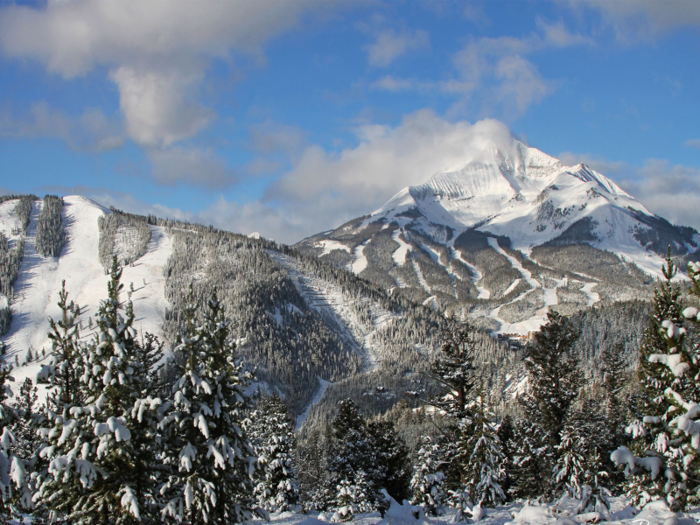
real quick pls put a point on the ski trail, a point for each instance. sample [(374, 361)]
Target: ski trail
[(421, 279), (550, 297), (336, 310), (493, 242), (399, 255), (360, 262), (474, 273), (593, 297), (322, 387)]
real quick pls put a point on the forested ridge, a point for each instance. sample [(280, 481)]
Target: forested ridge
[(428, 408)]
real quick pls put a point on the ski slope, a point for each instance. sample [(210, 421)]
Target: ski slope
[(40, 278)]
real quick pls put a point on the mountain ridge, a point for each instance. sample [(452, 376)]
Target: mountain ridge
[(518, 204)]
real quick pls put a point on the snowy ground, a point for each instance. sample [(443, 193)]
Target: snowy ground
[(40, 278), (656, 513)]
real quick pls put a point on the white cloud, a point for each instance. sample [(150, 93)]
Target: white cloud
[(643, 20), (391, 44), (156, 106), (91, 131), (156, 51), (693, 143), (495, 73), (327, 188), (202, 167)]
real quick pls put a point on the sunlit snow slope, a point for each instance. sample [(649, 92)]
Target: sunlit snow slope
[(488, 230), (40, 278)]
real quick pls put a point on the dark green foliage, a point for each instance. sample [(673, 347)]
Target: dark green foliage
[(553, 375), (124, 235), (10, 262), (210, 457), (530, 461), (668, 374), (23, 210), (65, 366), (50, 235), (367, 457)]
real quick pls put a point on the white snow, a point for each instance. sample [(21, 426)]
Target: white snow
[(399, 256), (40, 278), (421, 279), (329, 245), (593, 297), (322, 387), (360, 262), (529, 197)]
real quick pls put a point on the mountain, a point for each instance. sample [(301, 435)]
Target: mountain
[(507, 235), (307, 328)]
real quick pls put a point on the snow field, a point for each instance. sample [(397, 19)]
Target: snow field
[(322, 387), (360, 262), (330, 245), (40, 278), (520, 513), (399, 256)]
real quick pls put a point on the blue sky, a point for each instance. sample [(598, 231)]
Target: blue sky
[(291, 117)]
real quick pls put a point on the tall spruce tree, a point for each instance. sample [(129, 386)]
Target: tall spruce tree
[(531, 461), (14, 479), (427, 483), (553, 375), (482, 460), (95, 473), (211, 458), (271, 431), (663, 462)]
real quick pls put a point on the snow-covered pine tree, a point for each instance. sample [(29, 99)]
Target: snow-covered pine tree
[(94, 470), (427, 483), (14, 480), (531, 461), (553, 375), (271, 431), (211, 458), (392, 459), (353, 461), (664, 461), (481, 460), (580, 471), (505, 432), (25, 445), (453, 368), (66, 364)]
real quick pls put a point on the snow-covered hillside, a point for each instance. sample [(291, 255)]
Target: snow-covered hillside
[(453, 231), (40, 280)]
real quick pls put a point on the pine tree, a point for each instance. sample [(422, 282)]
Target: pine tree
[(14, 479), (95, 473), (553, 375), (66, 365), (532, 460), (453, 368), (392, 459), (353, 463), (663, 461), (427, 483), (271, 430), (481, 459), (211, 457)]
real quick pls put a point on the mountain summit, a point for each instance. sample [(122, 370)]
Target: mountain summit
[(514, 210)]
